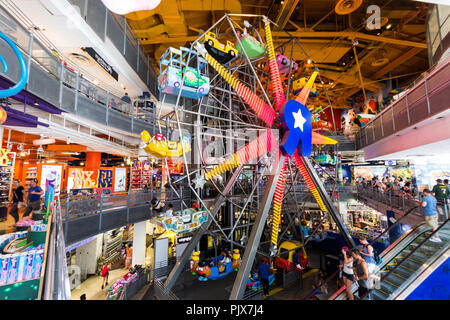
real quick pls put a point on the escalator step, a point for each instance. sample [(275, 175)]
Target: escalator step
[(395, 279), (388, 287), (412, 265), (378, 295), (403, 271), (425, 250)]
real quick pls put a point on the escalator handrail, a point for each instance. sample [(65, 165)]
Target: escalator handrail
[(409, 254)]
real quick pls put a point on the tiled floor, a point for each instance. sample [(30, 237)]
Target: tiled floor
[(7, 225), (92, 287)]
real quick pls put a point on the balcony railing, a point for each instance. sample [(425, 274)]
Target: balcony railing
[(426, 97), (59, 82), (105, 24)]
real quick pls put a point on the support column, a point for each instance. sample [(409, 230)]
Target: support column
[(139, 243), (255, 236), (93, 161), (176, 271)]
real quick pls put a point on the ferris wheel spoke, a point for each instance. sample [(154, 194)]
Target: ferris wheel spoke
[(251, 151), (278, 92), (277, 204)]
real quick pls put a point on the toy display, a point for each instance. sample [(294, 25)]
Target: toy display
[(220, 52), (285, 64), (286, 251), (325, 159), (174, 66), (195, 258), (253, 48), (20, 260), (182, 222), (254, 282), (216, 270), (159, 147), (298, 84)]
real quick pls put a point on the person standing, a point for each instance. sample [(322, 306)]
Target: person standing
[(129, 255), (347, 272), (19, 195), (126, 98), (367, 253), (105, 274), (441, 192), (263, 270), (362, 273), (431, 214), (34, 197)]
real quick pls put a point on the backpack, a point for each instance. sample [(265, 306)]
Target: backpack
[(377, 258)]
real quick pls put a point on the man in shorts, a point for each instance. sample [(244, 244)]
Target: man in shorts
[(431, 215), (441, 192)]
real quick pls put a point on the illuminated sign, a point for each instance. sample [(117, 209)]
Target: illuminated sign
[(102, 62)]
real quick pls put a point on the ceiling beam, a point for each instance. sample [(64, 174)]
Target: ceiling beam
[(159, 40), (350, 35), (401, 59)]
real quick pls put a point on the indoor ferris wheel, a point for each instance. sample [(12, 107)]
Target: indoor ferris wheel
[(252, 134)]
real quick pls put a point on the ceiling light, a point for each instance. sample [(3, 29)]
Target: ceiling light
[(388, 26), (81, 163), (70, 153), (378, 33), (309, 61)]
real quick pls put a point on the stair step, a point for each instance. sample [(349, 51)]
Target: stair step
[(425, 250)]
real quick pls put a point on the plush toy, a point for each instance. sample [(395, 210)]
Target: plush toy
[(194, 261), (236, 259)]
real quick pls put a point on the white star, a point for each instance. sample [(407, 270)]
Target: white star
[(199, 181), (299, 119)]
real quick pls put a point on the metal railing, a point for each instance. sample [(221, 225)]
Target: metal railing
[(115, 27), (397, 201), (427, 96), (59, 82)]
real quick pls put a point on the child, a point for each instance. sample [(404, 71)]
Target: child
[(105, 274)]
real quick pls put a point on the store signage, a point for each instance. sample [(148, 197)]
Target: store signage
[(105, 178), (4, 159), (183, 240), (83, 179), (390, 163), (297, 120), (102, 62), (120, 179)]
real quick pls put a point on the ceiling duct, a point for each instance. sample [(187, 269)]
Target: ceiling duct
[(347, 6)]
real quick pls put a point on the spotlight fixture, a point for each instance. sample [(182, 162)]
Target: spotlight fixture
[(81, 163), (36, 103), (389, 26)]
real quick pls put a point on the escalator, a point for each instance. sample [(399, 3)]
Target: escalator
[(406, 262)]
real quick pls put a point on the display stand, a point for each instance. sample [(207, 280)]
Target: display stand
[(140, 172), (6, 179)]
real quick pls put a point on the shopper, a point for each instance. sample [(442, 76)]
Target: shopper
[(156, 206), (263, 270), (367, 253), (105, 274), (19, 195), (126, 98), (396, 187), (305, 228), (129, 255), (362, 273), (441, 192), (34, 197), (347, 272), (431, 214)]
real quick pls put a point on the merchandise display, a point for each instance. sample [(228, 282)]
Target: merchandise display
[(6, 179), (181, 221)]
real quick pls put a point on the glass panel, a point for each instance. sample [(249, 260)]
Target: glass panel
[(95, 17), (444, 13), (433, 24), (14, 31), (114, 32), (131, 55), (46, 59)]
